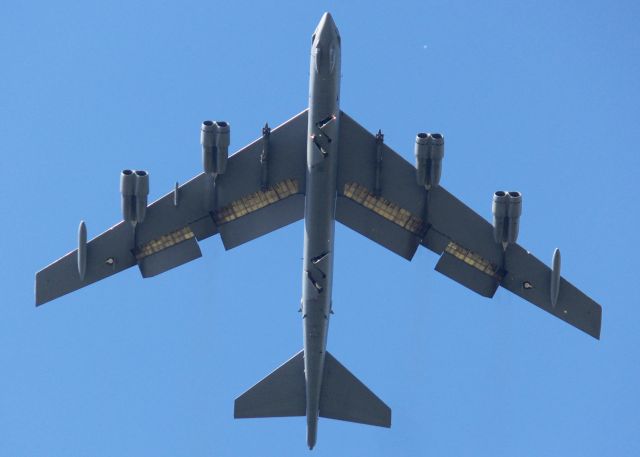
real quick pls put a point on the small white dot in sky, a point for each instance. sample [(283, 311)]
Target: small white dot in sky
[(424, 46)]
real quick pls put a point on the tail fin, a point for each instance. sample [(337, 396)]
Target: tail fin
[(280, 394), (344, 397)]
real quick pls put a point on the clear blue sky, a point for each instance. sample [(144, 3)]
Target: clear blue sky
[(540, 97)]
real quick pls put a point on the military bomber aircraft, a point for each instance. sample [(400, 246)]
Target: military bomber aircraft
[(320, 165)]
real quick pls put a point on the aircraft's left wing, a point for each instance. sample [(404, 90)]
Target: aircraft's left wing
[(378, 196), (256, 195)]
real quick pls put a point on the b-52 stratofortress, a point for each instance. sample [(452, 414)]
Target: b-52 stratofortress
[(320, 165)]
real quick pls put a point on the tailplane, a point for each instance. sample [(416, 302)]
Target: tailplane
[(280, 394), (345, 397)]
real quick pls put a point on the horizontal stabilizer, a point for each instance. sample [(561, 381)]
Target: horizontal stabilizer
[(344, 397), (280, 394)]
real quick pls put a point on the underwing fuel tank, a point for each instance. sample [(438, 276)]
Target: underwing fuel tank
[(82, 250), (555, 277)]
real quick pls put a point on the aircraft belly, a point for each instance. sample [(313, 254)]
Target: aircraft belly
[(318, 247), (319, 215), (318, 271)]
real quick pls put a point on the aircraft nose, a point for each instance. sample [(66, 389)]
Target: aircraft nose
[(326, 21), (326, 29)]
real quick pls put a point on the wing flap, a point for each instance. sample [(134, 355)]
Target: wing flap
[(467, 275), (168, 258), (262, 221), (382, 231)]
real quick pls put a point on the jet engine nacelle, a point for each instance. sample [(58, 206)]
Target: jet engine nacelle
[(506, 208), (429, 152), (134, 188), (215, 138)]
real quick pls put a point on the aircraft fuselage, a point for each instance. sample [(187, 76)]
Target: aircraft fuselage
[(319, 217)]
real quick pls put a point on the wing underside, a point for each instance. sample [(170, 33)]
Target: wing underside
[(378, 197), (240, 206)]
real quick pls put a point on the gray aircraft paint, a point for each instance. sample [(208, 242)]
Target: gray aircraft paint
[(369, 188), (319, 217)]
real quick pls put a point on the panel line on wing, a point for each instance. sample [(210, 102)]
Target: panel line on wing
[(257, 200), (383, 207)]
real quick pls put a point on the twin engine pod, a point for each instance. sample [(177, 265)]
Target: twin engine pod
[(429, 151), (134, 187), (215, 138), (507, 208)]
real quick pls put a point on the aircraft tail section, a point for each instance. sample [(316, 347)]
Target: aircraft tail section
[(345, 397), (342, 396), (280, 394)]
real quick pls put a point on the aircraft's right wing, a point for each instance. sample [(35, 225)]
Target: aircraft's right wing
[(378, 196), (253, 197)]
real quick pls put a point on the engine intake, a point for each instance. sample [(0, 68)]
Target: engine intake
[(215, 139), (506, 208), (429, 152)]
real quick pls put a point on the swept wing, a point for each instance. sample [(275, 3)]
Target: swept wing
[(240, 209), (378, 197)]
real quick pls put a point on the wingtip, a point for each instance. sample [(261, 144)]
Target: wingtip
[(39, 300), (598, 326), (596, 334), (39, 289)]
